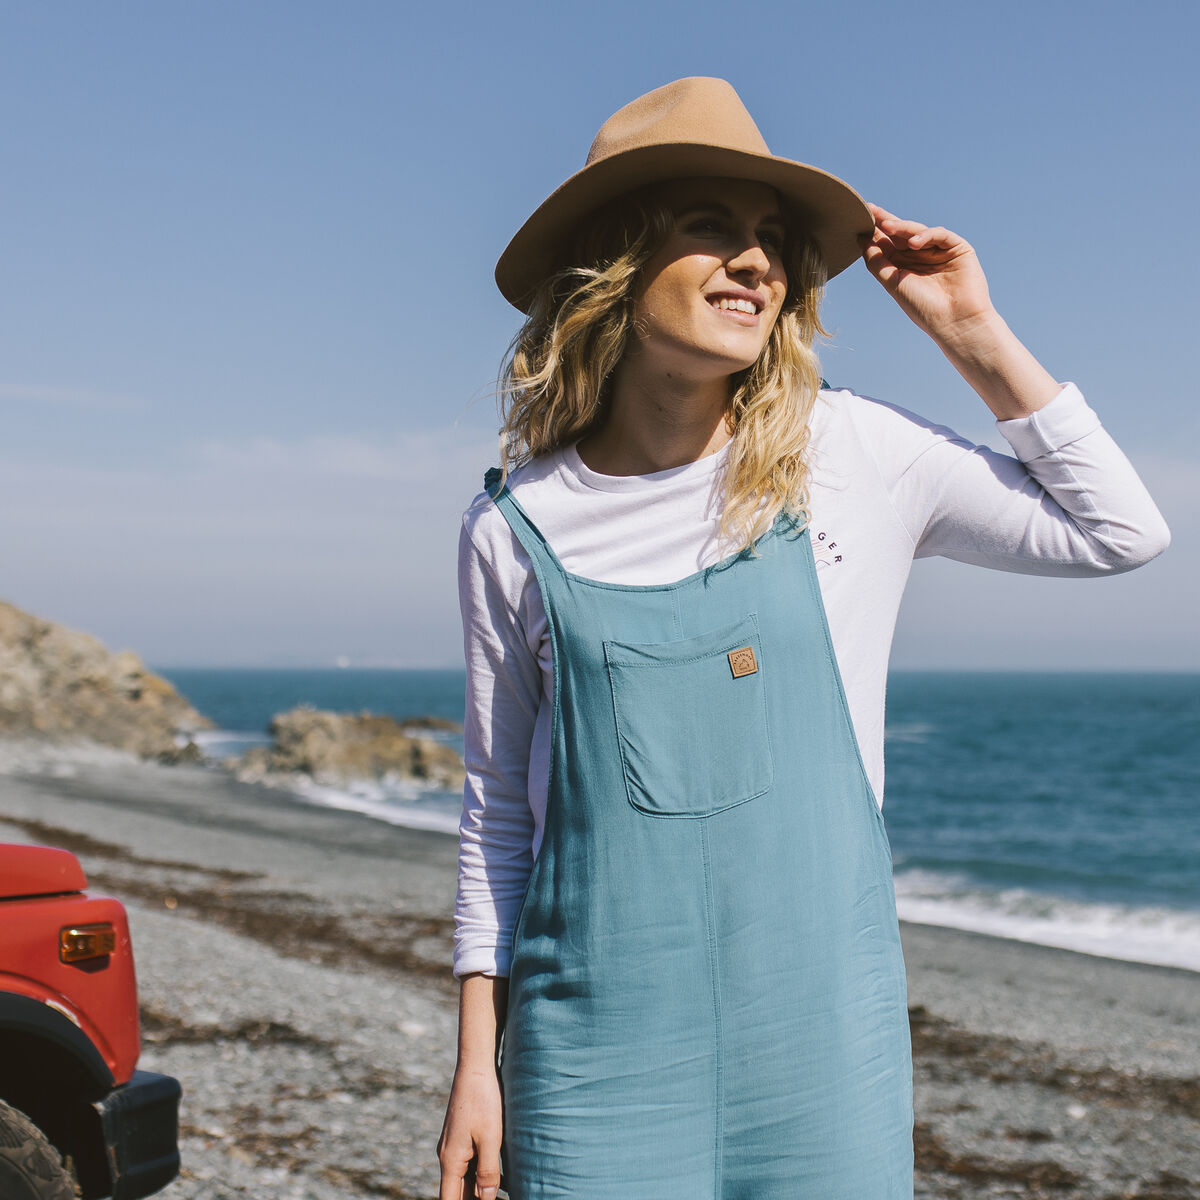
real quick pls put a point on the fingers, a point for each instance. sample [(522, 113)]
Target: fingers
[(936, 238), (911, 235), (454, 1171), (883, 268), (453, 1185), (877, 250), (884, 257), (487, 1170), (472, 1181), (881, 214), (474, 1178), (893, 225)]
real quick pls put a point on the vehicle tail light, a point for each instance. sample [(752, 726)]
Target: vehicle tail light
[(77, 943)]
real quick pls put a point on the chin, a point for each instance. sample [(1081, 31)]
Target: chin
[(735, 363), (703, 359)]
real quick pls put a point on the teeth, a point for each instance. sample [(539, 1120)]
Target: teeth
[(745, 306)]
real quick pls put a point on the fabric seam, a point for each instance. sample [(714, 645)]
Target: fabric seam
[(718, 1025), (722, 647)]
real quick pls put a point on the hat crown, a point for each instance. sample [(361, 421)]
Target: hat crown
[(695, 110)]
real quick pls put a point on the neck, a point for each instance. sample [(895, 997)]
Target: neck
[(656, 422)]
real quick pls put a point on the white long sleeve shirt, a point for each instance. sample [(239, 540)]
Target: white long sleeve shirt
[(888, 487)]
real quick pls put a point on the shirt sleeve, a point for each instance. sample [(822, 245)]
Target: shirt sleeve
[(497, 826), (1069, 503)]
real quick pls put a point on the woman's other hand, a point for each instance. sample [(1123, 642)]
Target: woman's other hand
[(469, 1148), (935, 277)]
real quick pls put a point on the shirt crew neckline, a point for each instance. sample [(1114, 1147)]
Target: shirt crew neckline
[(577, 475)]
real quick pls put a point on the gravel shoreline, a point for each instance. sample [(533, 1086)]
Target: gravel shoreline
[(293, 964)]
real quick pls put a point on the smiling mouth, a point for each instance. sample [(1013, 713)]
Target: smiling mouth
[(726, 304)]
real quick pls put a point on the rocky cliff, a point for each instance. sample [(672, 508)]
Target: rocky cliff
[(338, 748), (58, 683)]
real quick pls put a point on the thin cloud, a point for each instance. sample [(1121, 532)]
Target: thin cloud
[(242, 488)]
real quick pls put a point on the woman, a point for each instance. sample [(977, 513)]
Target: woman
[(675, 887)]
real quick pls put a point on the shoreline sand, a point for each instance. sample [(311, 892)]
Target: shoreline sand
[(293, 964)]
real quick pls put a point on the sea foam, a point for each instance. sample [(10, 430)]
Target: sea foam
[(1158, 935), (397, 801)]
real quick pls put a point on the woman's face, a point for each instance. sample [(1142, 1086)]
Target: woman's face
[(708, 298)]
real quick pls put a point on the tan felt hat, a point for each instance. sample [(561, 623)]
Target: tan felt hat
[(690, 128)]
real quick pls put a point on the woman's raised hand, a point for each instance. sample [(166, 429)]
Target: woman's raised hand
[(469, 1148), (933, 274)]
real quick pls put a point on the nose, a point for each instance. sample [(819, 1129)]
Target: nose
[(750, 260)]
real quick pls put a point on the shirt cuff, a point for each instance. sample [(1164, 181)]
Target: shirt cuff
[(1066, 419), (483, 960)]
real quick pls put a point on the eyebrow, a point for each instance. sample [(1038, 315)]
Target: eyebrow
[(723, 210)]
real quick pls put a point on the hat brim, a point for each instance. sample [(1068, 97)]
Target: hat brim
[(830, 210)]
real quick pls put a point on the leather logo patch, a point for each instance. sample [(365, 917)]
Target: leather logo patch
[(742, 662)]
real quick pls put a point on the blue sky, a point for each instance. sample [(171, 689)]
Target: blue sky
[(248, 326)]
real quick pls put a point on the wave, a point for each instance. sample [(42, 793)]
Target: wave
[(396, 801), (1160, 936), (392, 799), (224, 743)]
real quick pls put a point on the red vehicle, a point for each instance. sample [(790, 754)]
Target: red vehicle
[(76, 1118)]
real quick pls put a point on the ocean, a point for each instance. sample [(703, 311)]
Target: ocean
[(1054, 808)]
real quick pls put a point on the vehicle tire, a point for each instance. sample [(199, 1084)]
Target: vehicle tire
[(30, 1167)]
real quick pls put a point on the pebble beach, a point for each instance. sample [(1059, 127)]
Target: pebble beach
[(294, 974)]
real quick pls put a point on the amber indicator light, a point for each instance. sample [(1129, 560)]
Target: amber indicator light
[(77, 943)]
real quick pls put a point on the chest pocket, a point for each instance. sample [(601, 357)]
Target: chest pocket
[(691, 721)]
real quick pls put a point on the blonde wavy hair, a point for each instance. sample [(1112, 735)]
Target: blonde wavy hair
[(554, 382)]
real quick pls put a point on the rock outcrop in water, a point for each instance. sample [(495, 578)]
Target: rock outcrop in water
[(57, 683), (339, 748)]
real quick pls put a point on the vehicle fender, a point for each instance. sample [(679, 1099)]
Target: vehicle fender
[(25, 1015)]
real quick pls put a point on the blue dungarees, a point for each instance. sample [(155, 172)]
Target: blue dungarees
[(707, 996)]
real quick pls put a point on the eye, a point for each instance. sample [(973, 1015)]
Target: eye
[(705, 226), (771, 239)]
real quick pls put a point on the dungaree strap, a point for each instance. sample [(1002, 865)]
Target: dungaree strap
[(525, 531)]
